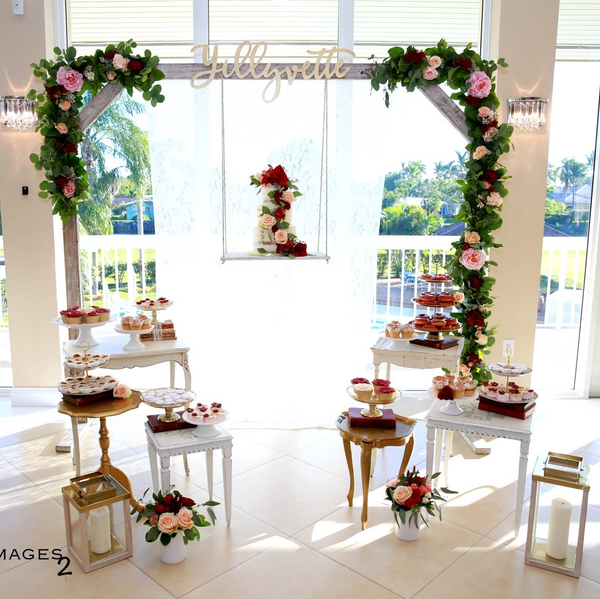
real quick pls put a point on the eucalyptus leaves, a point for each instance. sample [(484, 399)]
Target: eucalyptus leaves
[(483, 185), (66, 80)]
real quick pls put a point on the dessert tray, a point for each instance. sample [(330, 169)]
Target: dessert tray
[(434, 303), (206, 429), (86, 362), (85, 337), (505, 398), (134, 342), (153, 306), (507, 369), (88, 385), (373, 411), (169, 400)]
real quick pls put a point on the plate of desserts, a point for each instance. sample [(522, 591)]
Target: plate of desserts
[(87, 385), (513, 393), (507, 369)]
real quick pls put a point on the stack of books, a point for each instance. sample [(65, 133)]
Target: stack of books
[(161, 427), (356, 419), (514, 410), (163, 331)]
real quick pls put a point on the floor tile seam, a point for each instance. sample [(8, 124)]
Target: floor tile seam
[(294, 450), (37, 438), (146, 575), (356, 482)]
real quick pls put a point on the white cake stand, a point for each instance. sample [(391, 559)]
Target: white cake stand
[(205, 429), (451, 407), (85, 338), (134, 342), (154, 310)]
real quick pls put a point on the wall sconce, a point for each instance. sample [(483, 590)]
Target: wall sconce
[(527, 114), (18, 112)]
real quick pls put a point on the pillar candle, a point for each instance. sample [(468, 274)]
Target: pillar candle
[(558, 529), (100, 530)]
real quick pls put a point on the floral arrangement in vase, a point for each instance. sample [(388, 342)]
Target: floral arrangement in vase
[(171, 514), (410, 494), (282, 193)]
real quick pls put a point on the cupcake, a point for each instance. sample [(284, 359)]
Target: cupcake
[(381, 383), (528, 394), (392, 329), (458, 390), (126, 322), (91, 317), (407, 331), (359, 380), (384, 393), (470, 387), (136, 324), (363, 391), (104, 313), (145, 321)]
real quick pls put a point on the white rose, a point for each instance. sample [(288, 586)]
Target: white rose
[(288, 196), (434, 61), (494, 199), (481, 338), (459, 297), (472, 237), (480, 152), (120, 62), (281, 236)]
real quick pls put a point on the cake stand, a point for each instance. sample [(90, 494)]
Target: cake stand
[(373, 411), (168, 399), (85, 337), (451, 407), (205, 429), (153, 310), (134, 342)]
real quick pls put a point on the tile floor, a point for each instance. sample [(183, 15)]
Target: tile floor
[(292, 533)]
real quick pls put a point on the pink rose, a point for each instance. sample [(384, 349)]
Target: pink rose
[(459, 297), (184, 518), (464, 370), (268, 220), (472, 237), (480, 152), (391, 484), (494, 199), (481, 338), (490, 134), (65, 105), (473, 259), (288, 196), (153, 519), (425, 488), (281, 236), (430, 73), (110, 75), (68, 189), (122, 391), (484, 113), (434, 61), (120, 62), (62, 128), (481, 85), (401, 494), (70, 79), (167, 522)]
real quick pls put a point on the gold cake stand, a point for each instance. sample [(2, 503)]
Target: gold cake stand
[(373, 411)]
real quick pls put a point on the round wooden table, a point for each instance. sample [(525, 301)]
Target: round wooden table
[(103, 409), (374, 438)]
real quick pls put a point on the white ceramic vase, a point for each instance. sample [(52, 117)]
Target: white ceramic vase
[(406, 531), (174, 552)]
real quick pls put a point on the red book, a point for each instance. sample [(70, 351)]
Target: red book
[(84, 400), (357, 420), (160, 427), (506, 411)]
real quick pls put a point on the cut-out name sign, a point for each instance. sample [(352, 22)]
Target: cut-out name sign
[(248, 59)]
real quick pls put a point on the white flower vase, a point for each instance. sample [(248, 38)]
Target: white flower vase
[(406, 531), (174, 552)]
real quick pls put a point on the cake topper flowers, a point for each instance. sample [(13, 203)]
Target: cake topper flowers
[(282, 193)]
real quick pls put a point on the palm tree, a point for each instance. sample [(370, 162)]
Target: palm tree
[(114, 137), (571, 173)]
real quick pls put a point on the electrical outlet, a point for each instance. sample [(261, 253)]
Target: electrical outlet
[(508, 347), (17, 7)]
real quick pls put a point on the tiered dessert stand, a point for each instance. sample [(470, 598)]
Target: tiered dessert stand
[(84, 389), (153, 309), (373, 411), (168, 399), (85, 337), (510, 371), (435, 338)]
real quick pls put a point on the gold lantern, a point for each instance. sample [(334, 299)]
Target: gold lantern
[(96, 535), (555, 553)]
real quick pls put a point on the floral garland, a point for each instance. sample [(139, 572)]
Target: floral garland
[(282, 193), (483, 185), (65, 81)]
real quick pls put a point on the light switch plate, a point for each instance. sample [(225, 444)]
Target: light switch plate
[(17, 7)]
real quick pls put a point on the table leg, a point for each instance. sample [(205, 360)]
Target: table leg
[(153, 466), (227, 481), (187, 375), (186, 466), (365, 466), (76, 450), (430, 449), (408, 449), (165, 473), (348, 452), (521, 484), (172, 374), (439, 438), (447, 454), (209, 472), (388, 371), (376, 370), (373, 462)]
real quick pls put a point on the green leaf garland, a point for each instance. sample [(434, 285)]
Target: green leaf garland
[(483, 185), (65, 81)]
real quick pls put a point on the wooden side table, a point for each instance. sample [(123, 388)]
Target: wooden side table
[(369, 439), (103, 410), (183, 441)]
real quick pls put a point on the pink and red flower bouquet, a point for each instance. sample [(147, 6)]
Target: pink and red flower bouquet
[(411, 493), (171, 514)]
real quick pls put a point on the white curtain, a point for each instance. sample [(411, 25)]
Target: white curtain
[(276, 341)]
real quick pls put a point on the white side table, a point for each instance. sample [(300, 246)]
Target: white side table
[(183, 441), (476, 421)]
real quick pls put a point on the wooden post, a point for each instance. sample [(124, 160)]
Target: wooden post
[(72, 268)]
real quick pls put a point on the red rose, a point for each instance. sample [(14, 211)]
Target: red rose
[(466, 246), (55, 92), (69, 148), (475, 282), (61, 181), (414, 56), (285, 248), (167, 498), (299, 250), (279, 214), (187, 501), (490, 177), (475, 318), (135, 66), (487, 126), (110, 54), (415, 498), (160, 508), (472, 101), (278, 176), (464, 63)]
